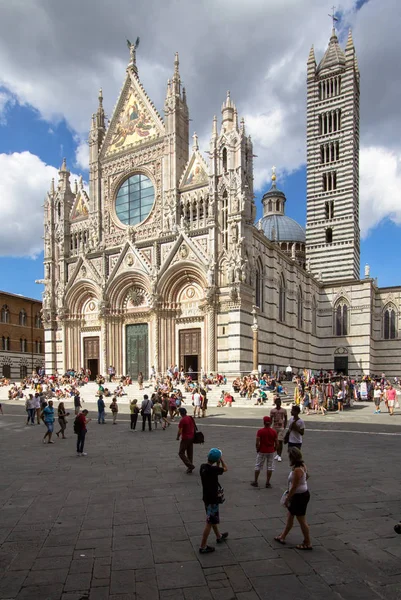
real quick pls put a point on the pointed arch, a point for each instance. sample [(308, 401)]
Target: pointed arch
[(341, 317), (5, 314), (259, 285), (224, 160), (390, 321), (282, 299)]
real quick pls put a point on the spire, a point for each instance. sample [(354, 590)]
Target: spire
[(81, 182), (100, 111), (242, 126), (184, 95), (227, 110), (75, 187), (311, 65), (176, 66), (52, 188), (64, 177), (334, 56), (176, 81), (195, 145)]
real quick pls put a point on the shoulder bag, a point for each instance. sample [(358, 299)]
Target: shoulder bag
[(199, 438)]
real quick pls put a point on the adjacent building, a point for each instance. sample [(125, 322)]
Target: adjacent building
[(21, 336), (163, 263)]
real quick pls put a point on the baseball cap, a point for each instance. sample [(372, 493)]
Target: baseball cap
[(267, 420), (214, 455)]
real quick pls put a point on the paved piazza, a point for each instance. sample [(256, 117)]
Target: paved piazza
[(125, 522)]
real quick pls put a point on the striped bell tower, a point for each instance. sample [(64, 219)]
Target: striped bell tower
[(332, 223)]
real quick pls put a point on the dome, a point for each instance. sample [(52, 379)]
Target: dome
[(285, 229)]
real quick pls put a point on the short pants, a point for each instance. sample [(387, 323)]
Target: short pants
[(261, 457), (50, 427), (280, 434), (212, 514)]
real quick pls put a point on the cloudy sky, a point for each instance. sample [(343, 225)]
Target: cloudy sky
[(55, 55)]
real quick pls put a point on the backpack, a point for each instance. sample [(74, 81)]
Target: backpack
[(77, 426)]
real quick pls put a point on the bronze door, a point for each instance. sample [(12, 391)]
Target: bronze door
[(92, 355), (190, 351), (137, 350)]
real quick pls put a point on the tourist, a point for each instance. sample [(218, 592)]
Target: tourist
[(48, 419), (203, 401), (134, 412), (157, 414), (391, 397), (172, 407), (37, 407), (211, 496), (101, 410), (296, 429), (266, 445), (196, 401), (80, 429), (296, 499), (62, 421), (114, 410), (77, 402), (320, 399), (306, 401), (186, 431), (146, 412), (377, 397), (278, 416), (30, 409), (340, 400), (140, 380)]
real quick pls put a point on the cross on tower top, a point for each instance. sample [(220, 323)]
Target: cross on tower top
[(333, 16)]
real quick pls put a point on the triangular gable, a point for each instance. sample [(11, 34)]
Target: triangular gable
[(80, 208), (83, 270), (135, 119), (183, 250), (129, 259), (195, 174)]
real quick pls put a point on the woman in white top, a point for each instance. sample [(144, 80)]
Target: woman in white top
[(297, 499)]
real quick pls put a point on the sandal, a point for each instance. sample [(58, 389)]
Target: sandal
[(303, 547), (279, 540)]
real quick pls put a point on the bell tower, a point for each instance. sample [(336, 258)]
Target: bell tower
[(332, 226)]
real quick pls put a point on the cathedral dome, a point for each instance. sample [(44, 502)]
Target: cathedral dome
[(280, 228)]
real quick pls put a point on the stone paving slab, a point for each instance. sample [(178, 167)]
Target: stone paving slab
[(124, 523)]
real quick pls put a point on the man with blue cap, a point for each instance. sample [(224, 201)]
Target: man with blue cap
[(212, 497)]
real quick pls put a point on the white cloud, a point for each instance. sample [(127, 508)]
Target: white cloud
[(380, 185), (24, 181), (257, 49), (82, 155)]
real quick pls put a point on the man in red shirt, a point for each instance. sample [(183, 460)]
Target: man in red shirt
[(266, 445), (186, 430)]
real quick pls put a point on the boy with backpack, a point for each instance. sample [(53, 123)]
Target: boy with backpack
[(212, 497)]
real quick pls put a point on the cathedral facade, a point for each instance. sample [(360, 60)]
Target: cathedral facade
[(162, 261)]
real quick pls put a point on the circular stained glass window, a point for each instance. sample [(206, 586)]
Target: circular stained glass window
[(135, 199)]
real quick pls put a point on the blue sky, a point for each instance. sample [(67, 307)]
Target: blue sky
[(47, 96)]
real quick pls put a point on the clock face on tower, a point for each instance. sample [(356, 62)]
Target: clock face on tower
[(134, 199)]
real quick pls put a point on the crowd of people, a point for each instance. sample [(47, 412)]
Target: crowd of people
[(166, 403)]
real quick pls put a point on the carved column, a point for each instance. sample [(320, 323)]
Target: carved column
[(211, 339), (255, 343), (156, 348)]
